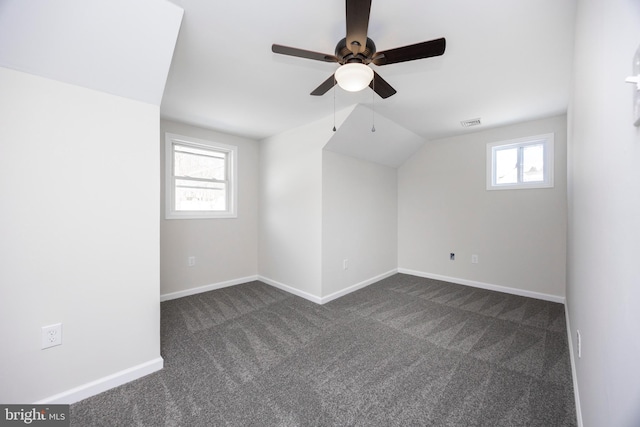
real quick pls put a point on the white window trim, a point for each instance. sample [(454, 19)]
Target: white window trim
[(548, 141), (232, 151)]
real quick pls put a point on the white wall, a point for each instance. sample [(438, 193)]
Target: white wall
[(290, 223), (80, 235), (359, 221), (226, 249), (518, 235), (603, 285)]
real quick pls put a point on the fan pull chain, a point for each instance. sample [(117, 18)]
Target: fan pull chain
[(373, 105), (334, 102)]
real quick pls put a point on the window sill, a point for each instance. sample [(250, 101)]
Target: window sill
[(201, 215)]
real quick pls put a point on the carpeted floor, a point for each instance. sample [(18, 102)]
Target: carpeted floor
[(404, 351)]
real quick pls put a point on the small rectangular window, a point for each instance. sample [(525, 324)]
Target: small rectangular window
[(520, 163), (200, 178)]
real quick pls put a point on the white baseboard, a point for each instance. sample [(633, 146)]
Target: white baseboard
[(291, 290), (488, 286), (330, 297), (206, 288), (576, 393), (103, 384), (357, 286)]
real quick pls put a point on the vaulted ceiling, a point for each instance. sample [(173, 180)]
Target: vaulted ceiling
[(506, 61)]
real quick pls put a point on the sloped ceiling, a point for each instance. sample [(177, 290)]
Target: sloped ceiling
[(121, 47), (506, 61), (390, 144)]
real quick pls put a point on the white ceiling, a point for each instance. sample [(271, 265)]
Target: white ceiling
[(111, 46), (389, 145), (506, 61)]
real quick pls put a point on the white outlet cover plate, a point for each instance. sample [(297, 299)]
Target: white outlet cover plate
[(51, 335)]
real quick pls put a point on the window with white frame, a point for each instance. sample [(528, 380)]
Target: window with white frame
[(200, 178), (520, 163)]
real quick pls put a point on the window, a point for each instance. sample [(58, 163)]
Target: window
[(200, 178), (520, 163)]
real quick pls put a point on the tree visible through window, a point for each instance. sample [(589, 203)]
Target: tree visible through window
[(521, 163), (200, 178)]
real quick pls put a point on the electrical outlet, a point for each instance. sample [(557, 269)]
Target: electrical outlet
[(579, 343), (474, 259), (452, 256), (345, 264), (191, 261), (51, 335)]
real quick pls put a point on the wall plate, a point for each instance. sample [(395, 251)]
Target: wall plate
[(636, 93)]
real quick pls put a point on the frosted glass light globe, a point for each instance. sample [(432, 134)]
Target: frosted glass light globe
[(354, 77)]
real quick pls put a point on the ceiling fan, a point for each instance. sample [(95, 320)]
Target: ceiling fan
[(356, 51)]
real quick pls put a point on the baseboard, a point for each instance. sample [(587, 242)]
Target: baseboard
[(291, 290), (206, 288), (482, 285), (330, 297), (357, 286), (103, 384), (572, 357)]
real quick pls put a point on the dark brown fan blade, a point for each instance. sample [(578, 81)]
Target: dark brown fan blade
[(357, 24), (411, 52), (381, 87), (325, 86), (301, 53)]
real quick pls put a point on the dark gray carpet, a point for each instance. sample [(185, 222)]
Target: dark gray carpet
[(404, 351)]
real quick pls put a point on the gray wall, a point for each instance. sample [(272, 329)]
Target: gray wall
[(518, 235), (225, 248), (603, 286)]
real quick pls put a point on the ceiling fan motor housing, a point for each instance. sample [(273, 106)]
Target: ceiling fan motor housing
[(347, 56)]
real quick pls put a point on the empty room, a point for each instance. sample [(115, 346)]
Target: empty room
[(350, 212)]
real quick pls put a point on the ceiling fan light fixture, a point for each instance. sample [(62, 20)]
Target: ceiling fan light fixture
[(354, 77)]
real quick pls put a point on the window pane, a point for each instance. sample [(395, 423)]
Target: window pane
[(533, 163), (507, 166), (200, 196), (196, 163), (520, 163)]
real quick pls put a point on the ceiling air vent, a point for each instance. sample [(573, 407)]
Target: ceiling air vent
[(469, 123)]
